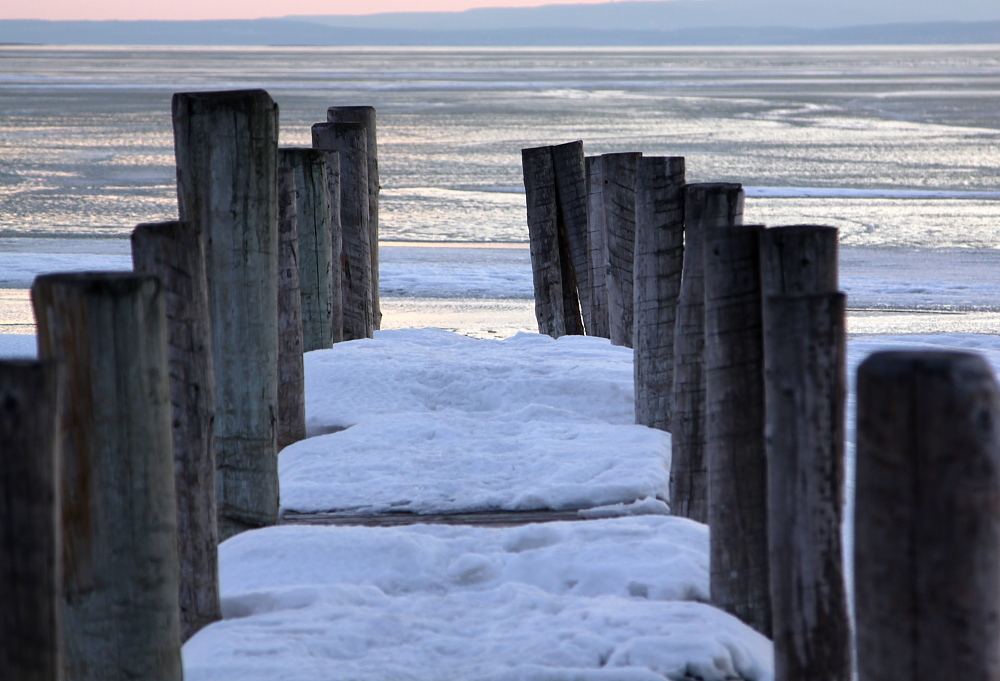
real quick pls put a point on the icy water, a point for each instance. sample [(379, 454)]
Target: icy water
[(898, 147)]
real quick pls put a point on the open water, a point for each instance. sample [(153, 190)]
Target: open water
[(899, 147)]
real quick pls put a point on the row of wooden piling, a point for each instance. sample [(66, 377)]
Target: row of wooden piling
[(148, 429), (739, 338)]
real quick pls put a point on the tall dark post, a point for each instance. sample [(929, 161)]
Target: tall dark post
[(30, 579), (350, 140), (366, 116), (174, 252), (734, 425), (226, 145), (315, 242), (291, 370), (659, 252), (597, 250), (557, 307), (927, 518), (571, 198), (806, 385), (118, 511), (618, 172), (705, 205)]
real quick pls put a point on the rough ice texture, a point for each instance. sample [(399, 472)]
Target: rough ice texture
[(437, 422), (602, 599)]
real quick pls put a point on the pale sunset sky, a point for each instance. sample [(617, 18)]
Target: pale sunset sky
[(239, 9)]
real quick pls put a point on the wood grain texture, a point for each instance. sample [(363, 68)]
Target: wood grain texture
[(366, 116), (291, 369), (315, 243), (350, 140), (571, 202), (927, 518), (659, 254), (806, 385), (618, 184), (734, 425), (174, 252), (226, 144), (543, 234), (597, 250), (799, 259), (118, 512), (332, 159), (30, 581), (705, 205)]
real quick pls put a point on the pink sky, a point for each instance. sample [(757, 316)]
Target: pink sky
[(239, 9)]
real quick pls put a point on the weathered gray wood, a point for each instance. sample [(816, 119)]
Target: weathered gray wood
[(350, 139), (291, 370), (175, 253), (597, 250), (315, 241), (571, 201), (118, 512), (543, 234), (659, 254), (332, 159), (734, 425), (30, 593), (927, 518), (618, 171), (799, 259), (366, 116), (226, 145), (705, 205), (806, 385)]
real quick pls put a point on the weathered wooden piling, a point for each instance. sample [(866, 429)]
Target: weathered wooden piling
[(618, 173), (659, 252), (571, 200), (291, 371), (320, 289), (226, 145), (332, 160), (30, 579), (597, 250), (705, 205), (175, 253), (798, 259), (118, 512), (806, 385), (927, 518), (350, 140), (366, 116), (557, 307), (734, 424)]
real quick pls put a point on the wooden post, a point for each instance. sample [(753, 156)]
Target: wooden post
[(350, 139), (734, 425), (597, 250), (557, 308), (315, 242), (705, 205), (30, 581), (659, 252), (806, 385), (175, 252), (571, 202), (798, 259), (291, 370), (366, 116), (927, 517), (618, 171), (227, 146), (332, 160), (118, 512)]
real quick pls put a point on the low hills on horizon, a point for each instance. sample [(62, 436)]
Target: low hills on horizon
[(627, 24)]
